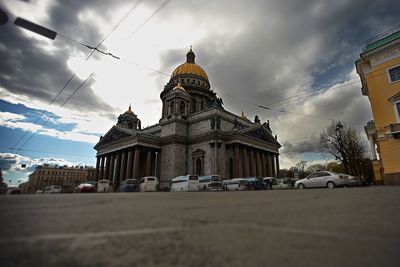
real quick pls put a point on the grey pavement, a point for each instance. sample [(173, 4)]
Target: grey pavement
[(315, 227)]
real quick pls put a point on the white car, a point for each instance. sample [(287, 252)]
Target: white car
[(281, 183), (322, 179)]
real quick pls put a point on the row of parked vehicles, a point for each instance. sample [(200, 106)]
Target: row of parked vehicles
[(215, 183), (145, 184)]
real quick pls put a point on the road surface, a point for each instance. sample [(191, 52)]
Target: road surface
[(315, 227)]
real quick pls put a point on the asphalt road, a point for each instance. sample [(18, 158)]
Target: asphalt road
[(320, 227)]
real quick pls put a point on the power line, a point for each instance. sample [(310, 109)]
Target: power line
[(33, 134), (73, 76), (149, 18)]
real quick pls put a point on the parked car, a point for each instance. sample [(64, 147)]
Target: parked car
[(281, 183), (322, 179), (85, 188), (353, 180), (128, 185), (53, 189), (39, 192), (268, 182), (104, 186), (236, 184), (14, 191)]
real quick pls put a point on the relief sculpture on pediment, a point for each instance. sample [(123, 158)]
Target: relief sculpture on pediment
[(261, 134), (113, 137)]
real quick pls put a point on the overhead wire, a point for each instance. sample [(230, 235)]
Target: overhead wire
[(148, 19), (88, 57), (49, 118), (265, 107)]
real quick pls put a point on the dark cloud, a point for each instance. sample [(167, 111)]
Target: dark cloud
[(7, 161), (28, 69), (284, 44), (310, 146)]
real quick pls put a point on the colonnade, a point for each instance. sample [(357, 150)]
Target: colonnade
[(133, 162), (249, 162)]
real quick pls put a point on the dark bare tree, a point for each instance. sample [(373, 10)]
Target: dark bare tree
[(346, 145)]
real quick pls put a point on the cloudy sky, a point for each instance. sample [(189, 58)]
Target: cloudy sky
[(293, 56)]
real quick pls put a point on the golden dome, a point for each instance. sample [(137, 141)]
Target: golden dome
[(190, 67), (129, 111), (243, 116)]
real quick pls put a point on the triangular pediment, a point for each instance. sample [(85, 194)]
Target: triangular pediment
[(113, 135), (262, 133)]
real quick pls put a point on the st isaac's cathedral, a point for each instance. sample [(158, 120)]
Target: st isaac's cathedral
[(195, 135)]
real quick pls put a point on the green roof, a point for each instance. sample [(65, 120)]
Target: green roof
[(382, 41)]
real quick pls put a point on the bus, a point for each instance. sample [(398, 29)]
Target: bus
[(148, 184), (236, 184), (185, 183), (210, 183)]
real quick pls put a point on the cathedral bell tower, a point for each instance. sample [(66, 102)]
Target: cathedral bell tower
[(129, 120), (176, 103)]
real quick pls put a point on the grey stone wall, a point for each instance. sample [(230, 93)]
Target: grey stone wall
[(175, 127), (173, 163)]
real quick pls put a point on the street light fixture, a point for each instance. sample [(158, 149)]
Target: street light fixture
[(23, 23)]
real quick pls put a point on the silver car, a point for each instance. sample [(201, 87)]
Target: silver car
[(322, 179)]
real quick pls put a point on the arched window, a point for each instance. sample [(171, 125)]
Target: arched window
[(182, 107), (193, 106), (201, 104), (171, 107)]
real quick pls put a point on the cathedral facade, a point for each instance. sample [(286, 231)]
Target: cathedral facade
[(195, 135)]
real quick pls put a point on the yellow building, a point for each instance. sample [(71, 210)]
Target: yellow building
[(67, 177), (379, 70)]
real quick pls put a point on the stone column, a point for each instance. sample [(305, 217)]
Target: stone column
[(372, 144), (107, 170), (277, 165), (263, 164), (97, 168), (158, 165), (123, 175), (252, 163), (130, 162), (259, 167), (103, 159), (240, 162), (148, 163), (273, 165), (246, 171), (117, 170), (111, 170), (136, 163), (269, 169), (236, 159)]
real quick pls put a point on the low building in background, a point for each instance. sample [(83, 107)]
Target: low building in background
[(67, 177), (23, 187), (379, 70)]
